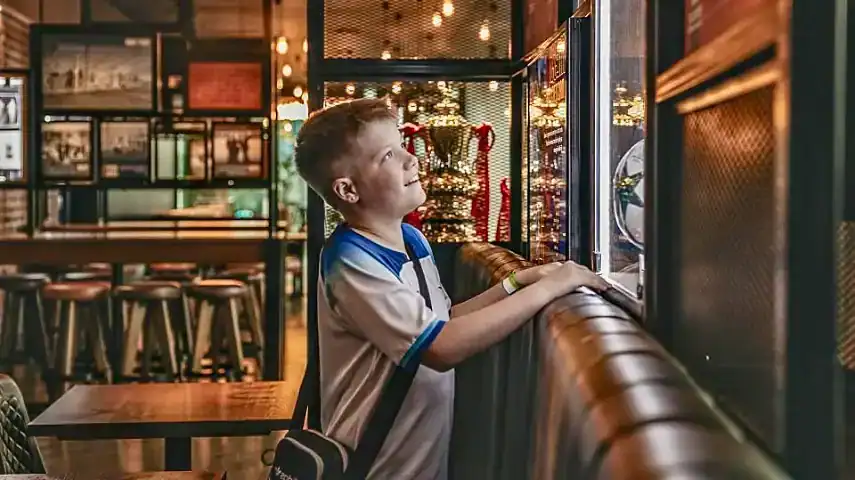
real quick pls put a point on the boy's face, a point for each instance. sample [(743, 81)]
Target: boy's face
[(383, 178)]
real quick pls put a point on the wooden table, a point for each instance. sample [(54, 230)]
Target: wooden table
[(176, 412), (126, 476)]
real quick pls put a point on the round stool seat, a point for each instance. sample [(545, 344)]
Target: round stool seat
[(90, 276), (258, 267), (242, 274), (75, 291), (19, 282), (172, 267), (219, 289), (149, 290)]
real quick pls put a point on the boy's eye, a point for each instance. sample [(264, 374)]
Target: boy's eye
[(388, 155)]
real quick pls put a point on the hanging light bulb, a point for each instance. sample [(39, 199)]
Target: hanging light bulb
[(441, 84), (288, 127), (350, 89), (484, 32), (298, 91), (287, 70), (493, 85), (282, 46), (447, 8), (396, 88), (385, 55), (305, 45), (305, 97), (436, 20)]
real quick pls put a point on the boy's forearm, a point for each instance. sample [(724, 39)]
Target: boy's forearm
[(484, 299), (476, 331)]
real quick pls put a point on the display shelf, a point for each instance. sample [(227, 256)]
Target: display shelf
[(547, 152), (461, 133), (619, 141)]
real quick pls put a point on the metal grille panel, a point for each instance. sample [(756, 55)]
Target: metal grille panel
[(416, 102), (726, 332), (416, 29), (846, 294)]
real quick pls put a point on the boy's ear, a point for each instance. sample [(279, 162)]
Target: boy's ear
[(344, 189)]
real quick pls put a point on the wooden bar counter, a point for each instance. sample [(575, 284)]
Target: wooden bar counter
[(133, 244)]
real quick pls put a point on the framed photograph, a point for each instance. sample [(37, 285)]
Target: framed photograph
[(13, 126), (182, 151), (11, 150), (125, 149), (67, 150), (10, 108), (238, 150), (225, 86), (97, 72)]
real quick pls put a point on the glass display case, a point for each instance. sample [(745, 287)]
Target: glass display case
[(461, 133), (546, 152), (619, 142)]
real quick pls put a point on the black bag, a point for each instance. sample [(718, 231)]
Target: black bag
[(307, 454)]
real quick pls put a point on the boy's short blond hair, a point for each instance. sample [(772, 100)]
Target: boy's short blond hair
[(327, 137)]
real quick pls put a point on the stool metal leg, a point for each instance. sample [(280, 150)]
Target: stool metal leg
[(133, 332), (233, 331), (95, 335), (203, 333), (166, 339)]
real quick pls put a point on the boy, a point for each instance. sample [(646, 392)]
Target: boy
[(371, 315)]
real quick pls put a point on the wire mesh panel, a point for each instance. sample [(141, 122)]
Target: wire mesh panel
[(846, 293), (461, 133), (228, 18), (726, 332), (417, 29), (547, 154)]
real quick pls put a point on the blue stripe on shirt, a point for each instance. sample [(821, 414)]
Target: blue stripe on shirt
[(428, 335)]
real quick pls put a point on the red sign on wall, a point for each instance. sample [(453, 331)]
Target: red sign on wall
[(224, 86), (707, 19)]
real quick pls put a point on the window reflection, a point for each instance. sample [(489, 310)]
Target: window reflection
[(620, 141)]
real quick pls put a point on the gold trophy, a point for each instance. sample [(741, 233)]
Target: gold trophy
[(450, 184)]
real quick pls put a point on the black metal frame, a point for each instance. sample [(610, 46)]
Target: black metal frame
[(811, 126)]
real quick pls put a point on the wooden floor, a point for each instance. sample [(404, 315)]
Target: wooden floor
[(240, 457)]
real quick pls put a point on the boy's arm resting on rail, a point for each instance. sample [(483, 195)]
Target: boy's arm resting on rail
[(497, 292)]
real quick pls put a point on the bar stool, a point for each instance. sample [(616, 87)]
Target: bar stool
[(149, 303), (173, 271), (294, 266), (77, 308), (250, 304), (23, 312), (218, 320)]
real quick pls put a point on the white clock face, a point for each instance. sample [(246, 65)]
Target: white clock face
[(628, 194)]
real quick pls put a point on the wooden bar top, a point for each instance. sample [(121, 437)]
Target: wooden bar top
[(125, 476), (88, 412), (139, 246)]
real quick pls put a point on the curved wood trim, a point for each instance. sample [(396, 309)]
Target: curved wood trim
[(744, 39), (760, 77)]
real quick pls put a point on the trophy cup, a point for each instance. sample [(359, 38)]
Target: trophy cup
[(450, 184)]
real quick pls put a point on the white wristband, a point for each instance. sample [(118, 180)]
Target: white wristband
[(508, 286)]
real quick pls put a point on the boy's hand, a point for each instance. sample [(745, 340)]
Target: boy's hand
[(568, 277), (533, 274)]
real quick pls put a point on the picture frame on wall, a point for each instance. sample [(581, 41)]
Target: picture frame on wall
[(238, 150), (125, 149), (13, 125), (219, 86), (67, 150), (97, 72), (182, 151)]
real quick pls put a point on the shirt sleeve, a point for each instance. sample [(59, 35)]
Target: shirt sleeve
[(378, 306)]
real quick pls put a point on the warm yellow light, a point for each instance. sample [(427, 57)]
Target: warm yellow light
[(282, 46), (350, 89), (484, 33), (436, 20), (412, 107), (305, 97), (494, 85), (447, 8), (287, 70), (305, 45), (396, 88), (385, 55), (288, 127), (298, 91), (561, 46), (279, 84)]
